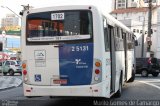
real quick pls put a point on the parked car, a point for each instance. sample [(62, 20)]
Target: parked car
[(11, 67), (143, 68)]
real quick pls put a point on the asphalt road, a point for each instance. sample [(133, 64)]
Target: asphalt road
[(141, 89)]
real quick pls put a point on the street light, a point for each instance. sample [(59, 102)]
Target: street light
[(11, 10)]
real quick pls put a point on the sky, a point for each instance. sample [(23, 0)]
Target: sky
[(15, 5)]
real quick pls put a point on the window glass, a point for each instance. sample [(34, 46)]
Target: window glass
[(7, 63), (19, 62), (145, 1), (106, 35), (68, 25), (121, 3), (12, 63), (154, 1), (115, 31), (118, 32)]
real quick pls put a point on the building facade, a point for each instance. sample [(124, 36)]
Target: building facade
[(9, 20), (137, 20), (119, 4)]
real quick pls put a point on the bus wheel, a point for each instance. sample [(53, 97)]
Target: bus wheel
[(28, 96), (132, 78), (119, 92), (51, 97), (144, 73)]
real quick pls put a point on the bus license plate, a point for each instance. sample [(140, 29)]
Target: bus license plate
[(157, 70), (61, 81)]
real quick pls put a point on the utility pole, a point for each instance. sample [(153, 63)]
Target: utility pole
[(149, 43), (143, 33), (25, 8)]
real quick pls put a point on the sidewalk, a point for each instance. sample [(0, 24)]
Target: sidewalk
[(9, 82)]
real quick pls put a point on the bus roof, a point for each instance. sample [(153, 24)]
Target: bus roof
[(115, 22)]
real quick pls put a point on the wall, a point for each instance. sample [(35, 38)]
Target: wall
[(157, 54), (135, 1), (155, 3)]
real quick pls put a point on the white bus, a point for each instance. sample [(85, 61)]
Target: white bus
[(75, 51)]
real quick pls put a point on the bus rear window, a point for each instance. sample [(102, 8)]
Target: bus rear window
[(59, 26)]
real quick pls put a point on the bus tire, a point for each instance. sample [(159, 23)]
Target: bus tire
[(132, 78), (28, 96), (32, 96), (51, 97), (119, 92)]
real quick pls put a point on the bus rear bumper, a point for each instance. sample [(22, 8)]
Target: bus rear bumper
[(96, 90)]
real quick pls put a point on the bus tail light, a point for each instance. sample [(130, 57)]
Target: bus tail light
[(24, 65), (97, 71), (24, 72), (25, 79), (97, 64), (96, 78), (25, 76)]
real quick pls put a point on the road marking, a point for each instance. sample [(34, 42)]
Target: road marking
[(149, 80), (150, 84), (152, 81)]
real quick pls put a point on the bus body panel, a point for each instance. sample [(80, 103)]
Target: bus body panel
[(71, 62), (107, 71), (39, 67), (130, 64), (76, 63), (120, 67), (59, 69), (96, 90)]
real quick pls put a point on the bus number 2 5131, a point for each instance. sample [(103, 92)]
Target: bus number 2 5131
[(79, 48)]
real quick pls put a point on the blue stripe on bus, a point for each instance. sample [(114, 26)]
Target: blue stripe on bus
[(76, 63)]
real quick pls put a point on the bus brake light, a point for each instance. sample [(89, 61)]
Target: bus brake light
[(97, 71), (24, 72)]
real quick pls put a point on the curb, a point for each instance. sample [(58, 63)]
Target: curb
[(9, 82)]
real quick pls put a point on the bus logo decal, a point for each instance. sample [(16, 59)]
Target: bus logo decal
[(40, 54), (77, 61), (37, 78)]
